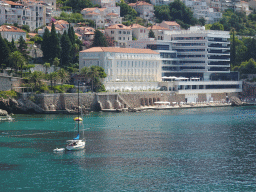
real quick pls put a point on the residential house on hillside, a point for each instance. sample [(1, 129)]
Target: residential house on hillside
[(120, 33), (104, 3), (87, 33), (126, 68), (10, 32), (161, 2), (158, 31), (202, 10), (139, 32), (95, 14), (171, 25), (146, 10), (32, 13), (60, 27), (103, 17)]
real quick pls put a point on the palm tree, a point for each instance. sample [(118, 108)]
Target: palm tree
[(36, 78), (56, 62), (17, 61), (63, 75), (93, 73), (47, 66)]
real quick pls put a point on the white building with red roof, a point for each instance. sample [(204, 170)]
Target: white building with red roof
[(103, 17), (60, 27), (158, 31), (126, 68), (139, 31), (10, 32), (26, 12), (171, 25), (120, 33), (146, 10)]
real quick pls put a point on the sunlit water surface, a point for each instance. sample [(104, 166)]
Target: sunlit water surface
[(207, 149)]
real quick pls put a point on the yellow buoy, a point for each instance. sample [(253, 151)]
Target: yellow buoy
[(78, 119)]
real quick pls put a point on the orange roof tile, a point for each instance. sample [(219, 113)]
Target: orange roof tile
[(157, 27), (78, 35), (13, 3), (113, 14), (119, 50), (137, 26), (9, 28), (171, 23), (118, 26)]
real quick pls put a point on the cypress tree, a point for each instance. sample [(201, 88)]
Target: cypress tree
[(71, 34), (12, 46), (23, 47), (99, 40), (65, 49), (233, 50), (151, 34), (45, 45), (4, 52), (54, 45)]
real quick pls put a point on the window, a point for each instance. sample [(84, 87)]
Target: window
[(119, 32), (112, 32), (119, 38), (128, 32), (124, 32), (123, 38)]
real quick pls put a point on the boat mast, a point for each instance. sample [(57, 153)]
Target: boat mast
[(78, 108)]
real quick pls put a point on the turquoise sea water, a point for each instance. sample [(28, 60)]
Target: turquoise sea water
[(207, 149)]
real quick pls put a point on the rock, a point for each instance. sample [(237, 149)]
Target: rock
[(3, 112), (235, 101)]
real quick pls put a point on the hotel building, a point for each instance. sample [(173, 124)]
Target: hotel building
[(126, 68)]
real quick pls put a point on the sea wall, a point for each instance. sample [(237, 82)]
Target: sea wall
[(100, 101)]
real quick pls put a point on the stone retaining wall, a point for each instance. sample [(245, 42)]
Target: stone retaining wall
[(114, 100)]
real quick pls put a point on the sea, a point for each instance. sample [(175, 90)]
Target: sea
[(197, 149)]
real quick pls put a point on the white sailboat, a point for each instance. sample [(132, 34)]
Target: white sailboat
[(76, 143)]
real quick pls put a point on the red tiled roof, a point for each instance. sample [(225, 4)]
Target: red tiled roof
[(171, 23), (157, 27), (119, 50), (137, 26), (13, 3), (118, 26), (9, 28)]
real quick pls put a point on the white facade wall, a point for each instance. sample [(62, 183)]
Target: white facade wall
[(13, 35), (124, 67), (120, 36)]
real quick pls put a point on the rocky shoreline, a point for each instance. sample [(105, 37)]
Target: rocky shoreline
[(12, 106)]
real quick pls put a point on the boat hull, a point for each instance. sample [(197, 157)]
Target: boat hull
[(75, 145)]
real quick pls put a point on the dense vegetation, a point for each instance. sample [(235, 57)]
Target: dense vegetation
[(176, 11)]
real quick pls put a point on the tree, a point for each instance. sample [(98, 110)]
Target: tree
[(23, 47), (248, 67), (233, 49), (202, 21), (4, 51), (217, 26), (151, 34), (54, 45), (56, 63), (66, 48), (63, 75), (71, 34), (36, 79), (99, 40), (12, 46), (180, 12), (78, 5), (94, 73), (162, 13), (45, 45), (47, 66), (17, 61), (126, 11)]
